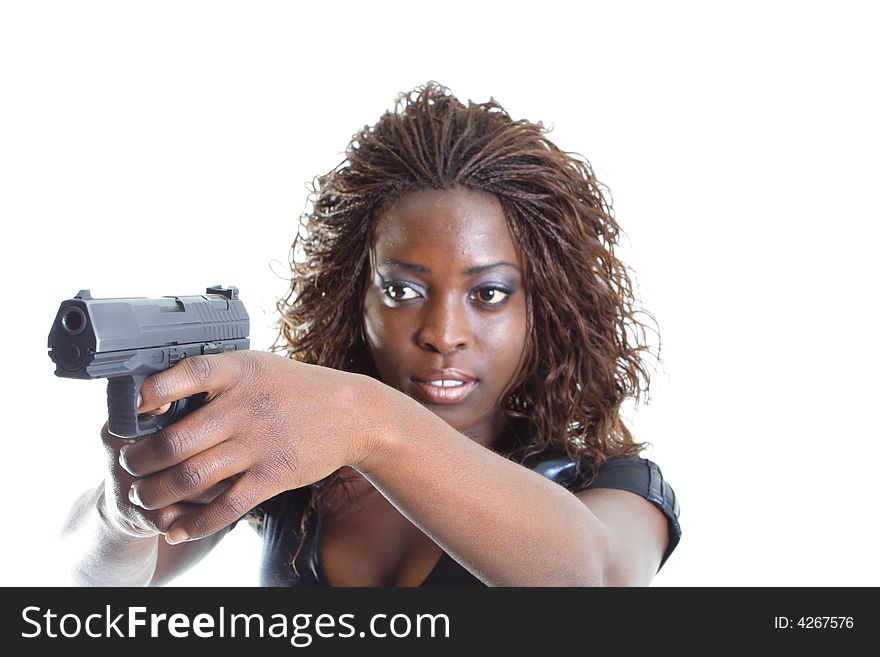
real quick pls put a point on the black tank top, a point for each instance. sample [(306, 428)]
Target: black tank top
[(278, 522)]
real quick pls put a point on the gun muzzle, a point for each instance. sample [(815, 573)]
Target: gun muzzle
[(125, 340)]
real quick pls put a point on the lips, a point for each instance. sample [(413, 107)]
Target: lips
[(444, 386)]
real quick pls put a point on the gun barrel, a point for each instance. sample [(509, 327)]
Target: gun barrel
[(86, 328)]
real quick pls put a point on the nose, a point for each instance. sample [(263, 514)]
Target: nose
[(445, 326)]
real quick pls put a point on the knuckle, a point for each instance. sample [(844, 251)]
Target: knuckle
[(172, 444), (285, 461), (199, 369), (237, 504), (251, 366), (199, 526), (188, 477), (157, 387), (263, 405)]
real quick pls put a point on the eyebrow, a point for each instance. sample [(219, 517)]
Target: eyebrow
[(477, 269)]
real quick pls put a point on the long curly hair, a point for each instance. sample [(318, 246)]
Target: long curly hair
[(587, 346)]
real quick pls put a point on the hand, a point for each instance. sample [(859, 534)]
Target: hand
[(270, 424), (131, 518)]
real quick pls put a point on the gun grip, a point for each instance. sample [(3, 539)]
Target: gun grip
[(124, 421)]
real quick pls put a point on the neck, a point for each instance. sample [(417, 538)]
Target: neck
[(495, 433)]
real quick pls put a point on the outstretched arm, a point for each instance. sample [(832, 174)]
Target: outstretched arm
[(507, 525), (273, 424)]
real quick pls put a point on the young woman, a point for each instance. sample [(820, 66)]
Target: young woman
[(459, 338)]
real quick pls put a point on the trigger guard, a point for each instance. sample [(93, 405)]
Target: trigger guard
[(178, 409), (168, 417)]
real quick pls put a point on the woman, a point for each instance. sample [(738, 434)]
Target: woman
[(459, 338)]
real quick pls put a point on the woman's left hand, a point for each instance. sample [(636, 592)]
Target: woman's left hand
[(271, 424)]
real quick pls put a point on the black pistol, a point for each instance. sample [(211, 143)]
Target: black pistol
[(126, 340)]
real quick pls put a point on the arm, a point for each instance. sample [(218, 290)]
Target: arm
[(98, 552), (507, 525), (101, 552), (274, 424)]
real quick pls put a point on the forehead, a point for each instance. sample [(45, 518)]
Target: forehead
[(460, 224)]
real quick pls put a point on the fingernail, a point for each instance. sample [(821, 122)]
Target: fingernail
[(122, 461), (140, 400), (176, 535), (133, 495)]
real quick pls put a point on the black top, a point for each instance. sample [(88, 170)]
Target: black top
[(278, 522)]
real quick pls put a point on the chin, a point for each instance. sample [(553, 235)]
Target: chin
[(457, 418)]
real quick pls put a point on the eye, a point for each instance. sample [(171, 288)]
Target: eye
[(400, 292), (491, 296)]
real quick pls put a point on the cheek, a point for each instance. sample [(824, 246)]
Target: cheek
[(381, 333), (374, 332), (519, 332), (514, 350), (505, 338)]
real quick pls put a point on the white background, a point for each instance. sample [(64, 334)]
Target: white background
[(156, 148)]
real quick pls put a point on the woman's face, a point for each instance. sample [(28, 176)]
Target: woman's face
[(445, 307)]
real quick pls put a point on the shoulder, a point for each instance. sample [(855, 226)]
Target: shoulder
[(637, 475), (646, 492), (643, 478)]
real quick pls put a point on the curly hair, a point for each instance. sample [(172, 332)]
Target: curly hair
[(586, 338)]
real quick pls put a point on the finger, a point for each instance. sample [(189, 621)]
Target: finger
[(190, 479), (137, 522), (212, 374), (153, 411), (200, 430), (199, 499), (213, 492), (165, 518), (241, 497)]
